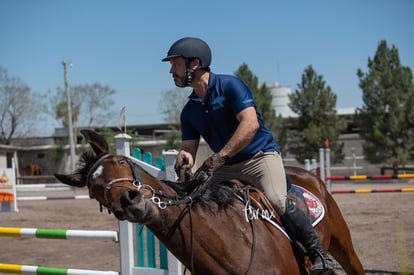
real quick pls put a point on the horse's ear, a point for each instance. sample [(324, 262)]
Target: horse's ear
[(72, 180), (97, 142)]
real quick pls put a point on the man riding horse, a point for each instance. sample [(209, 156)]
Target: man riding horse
[(221, 109)]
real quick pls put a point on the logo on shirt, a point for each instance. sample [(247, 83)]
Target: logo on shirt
[(217, 103)]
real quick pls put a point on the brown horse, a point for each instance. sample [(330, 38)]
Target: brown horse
[(33, 169), (207, 229)]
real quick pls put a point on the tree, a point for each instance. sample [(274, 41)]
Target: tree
[(61, 111), (171, 104), (263, 99), (90, 105), (173, 139), (96, 102), (19, 108), (315, 104), (386, 119)]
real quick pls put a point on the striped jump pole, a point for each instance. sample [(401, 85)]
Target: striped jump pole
[(47, 198), (374, 177), (63, 234), (44, 270), (43, 186), (364, 191)]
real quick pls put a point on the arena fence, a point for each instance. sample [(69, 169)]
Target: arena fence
[(146, 253)]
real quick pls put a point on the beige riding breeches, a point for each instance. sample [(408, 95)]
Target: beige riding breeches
[(265, 171)]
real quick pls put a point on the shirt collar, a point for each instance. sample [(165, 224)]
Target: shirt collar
[(211, 83)]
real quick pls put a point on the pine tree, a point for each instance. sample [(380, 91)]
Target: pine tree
[(386, 119), (263, 99), (317, 122)]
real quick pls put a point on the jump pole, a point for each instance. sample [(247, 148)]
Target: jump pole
[(63, 234), (48, 198), (44, 270), (364, 191), (374, 177)]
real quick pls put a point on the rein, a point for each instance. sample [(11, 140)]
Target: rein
[(248, 204)]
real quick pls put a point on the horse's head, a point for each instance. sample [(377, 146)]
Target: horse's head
[(114, 181)]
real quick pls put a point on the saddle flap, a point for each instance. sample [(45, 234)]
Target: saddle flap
[(305, 200), (259, 201)]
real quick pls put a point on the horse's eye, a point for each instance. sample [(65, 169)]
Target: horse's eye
[(121, 161)]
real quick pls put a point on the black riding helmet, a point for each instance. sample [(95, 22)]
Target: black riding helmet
[(190, 47)]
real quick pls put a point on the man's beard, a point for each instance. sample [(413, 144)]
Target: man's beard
[(183, 81), (180, 81)]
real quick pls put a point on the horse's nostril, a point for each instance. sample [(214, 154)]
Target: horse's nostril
[(128, 196), (132, 194)]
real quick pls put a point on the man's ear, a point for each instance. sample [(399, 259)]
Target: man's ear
[(195, 64)]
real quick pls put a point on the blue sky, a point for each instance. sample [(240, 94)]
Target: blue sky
[(121, 43)]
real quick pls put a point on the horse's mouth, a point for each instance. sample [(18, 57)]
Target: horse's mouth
[(134, 207)]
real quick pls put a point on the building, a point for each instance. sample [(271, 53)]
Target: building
[(280, 99)]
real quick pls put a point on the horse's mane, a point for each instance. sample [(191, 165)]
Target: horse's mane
[(215, 196), (221, 194)]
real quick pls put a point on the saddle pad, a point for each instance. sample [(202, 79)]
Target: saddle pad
[(316, 211)]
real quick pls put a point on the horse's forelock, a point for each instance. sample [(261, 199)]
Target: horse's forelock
[(87, 160)]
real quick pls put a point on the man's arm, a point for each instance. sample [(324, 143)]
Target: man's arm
[(244, 133), (189, 147)]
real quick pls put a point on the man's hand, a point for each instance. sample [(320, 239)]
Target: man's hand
[(183, 164)]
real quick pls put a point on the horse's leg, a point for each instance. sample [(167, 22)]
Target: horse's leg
[(341, 246)]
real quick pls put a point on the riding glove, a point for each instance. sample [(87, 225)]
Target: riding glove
[(213, 163)]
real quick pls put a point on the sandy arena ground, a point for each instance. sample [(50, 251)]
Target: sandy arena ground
[(382, 227)]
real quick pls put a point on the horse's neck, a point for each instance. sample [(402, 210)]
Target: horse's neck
[(173, 229), (200, 233)]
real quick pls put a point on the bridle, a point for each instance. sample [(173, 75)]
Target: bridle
[(158, 197), (112, 183)]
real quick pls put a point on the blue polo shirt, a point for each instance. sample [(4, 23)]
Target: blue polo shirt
[(214, 118)]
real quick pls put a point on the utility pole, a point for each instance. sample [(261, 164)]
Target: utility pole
[(71, 138)]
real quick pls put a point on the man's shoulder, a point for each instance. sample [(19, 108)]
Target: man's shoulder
[(226, 82), (224, 77)]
